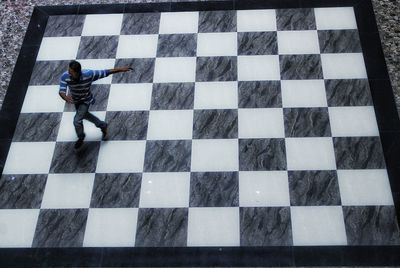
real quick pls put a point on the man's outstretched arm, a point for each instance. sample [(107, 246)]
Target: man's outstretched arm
[(120, 70), (98, 74)]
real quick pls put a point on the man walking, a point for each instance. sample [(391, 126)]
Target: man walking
[(79, 82)]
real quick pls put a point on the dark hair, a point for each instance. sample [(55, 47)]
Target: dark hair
[(76, 66)]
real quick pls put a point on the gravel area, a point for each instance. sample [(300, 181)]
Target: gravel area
[(15, 16)]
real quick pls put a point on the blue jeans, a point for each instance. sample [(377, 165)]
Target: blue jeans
[(82, 112)]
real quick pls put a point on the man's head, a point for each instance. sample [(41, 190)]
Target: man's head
[(74, 70)]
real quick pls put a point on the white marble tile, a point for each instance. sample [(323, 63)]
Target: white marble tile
[(67, 132), (343, 66), (298, 42), (111, 227), (71, 190), (303, 93), (175, 69), (213, 227), (255, 68), (99, 64), (170, 125), (29, 158), (335, 18), (261, 20), (137, 46), (121, 156), (102, 24), (130, 97), (215, 155), (368, 187), (165, 190), (42, 99), (17, 227), (58, 48), (318, 226), (216, 44), (179, 22), (353, 121), (261, 123), (263, 189), (310, 154), (216, 95)]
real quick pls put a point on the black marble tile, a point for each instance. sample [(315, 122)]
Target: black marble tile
[(260, 94), (262, 154), (271, 4), (265, 226), (140, 23), (36, 27), (60, 228), (162, 227), (22, 191), (177, 45), (295, 19), (217, 21), (339, 41), (127, 125), (306, 122), (116, 190), (67, 160), (216, 69), (358, 153), (48, 72), (64, 25), (100, 94), (215, 124), (149, 7), (167, 156), (98, 47), (300, 67), (257, 43), (371, 225), (214, 189), (143, 70), (314, 188), (172, 96), (348, 92), (37, 127), (101, 9)]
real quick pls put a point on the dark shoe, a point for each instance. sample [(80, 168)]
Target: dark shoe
[(78, 143), (104, 131)]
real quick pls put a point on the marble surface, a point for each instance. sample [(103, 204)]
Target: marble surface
[(127, 125), (97, 47), (295, 19), (165, 227), (358, 153), (48, 72), (262, 154), (60, 228), (172, 96), (260, 94), (217, 21), (348, 92), (116, 190), (167, 156), (21, 191), (372, 225), (314, 188), (216, 69), (257, 43), (265, 226), (215, 124), (306, 122), (64, 25), (140, 23), (177, 45), (37, 127), (339, 41), (300, 67), (214, 189), (143, 70)]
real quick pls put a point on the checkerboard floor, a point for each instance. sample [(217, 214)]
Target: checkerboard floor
[(235, 128)]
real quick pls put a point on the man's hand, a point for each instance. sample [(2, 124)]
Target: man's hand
[(120, 70), (66, 97)]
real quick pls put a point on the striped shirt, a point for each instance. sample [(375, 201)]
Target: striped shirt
[(80, 90)]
